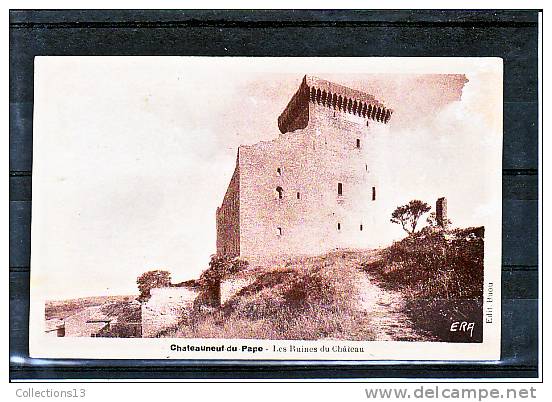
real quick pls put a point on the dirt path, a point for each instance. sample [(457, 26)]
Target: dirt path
[(385, 310), (385, 317)]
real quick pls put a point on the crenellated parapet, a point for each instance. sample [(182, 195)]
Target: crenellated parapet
[(333, 96)]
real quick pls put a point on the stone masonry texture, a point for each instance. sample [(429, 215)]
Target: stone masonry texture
[(312, 189), (167, 307)]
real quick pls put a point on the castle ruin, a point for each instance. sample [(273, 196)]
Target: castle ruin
[(441, 212), (314, 188)]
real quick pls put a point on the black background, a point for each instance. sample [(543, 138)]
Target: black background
[(512, 35)]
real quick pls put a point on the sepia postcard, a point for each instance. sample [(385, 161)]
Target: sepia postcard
[(266, 208)]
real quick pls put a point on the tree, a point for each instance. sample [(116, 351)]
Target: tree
[(150, 280), (408, 215)]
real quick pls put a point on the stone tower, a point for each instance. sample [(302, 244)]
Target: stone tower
[(441, 212), (315, 187)]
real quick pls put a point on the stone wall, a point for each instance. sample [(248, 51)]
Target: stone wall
[(166, 308), (332, 96), (315, 187), (311, 217), (228, 218), (441, 212)]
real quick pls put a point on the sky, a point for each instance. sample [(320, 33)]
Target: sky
[(132, 155)]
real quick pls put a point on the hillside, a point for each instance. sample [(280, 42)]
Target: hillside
[(59, 309), (304, 298), (440, 276), (412, 290)]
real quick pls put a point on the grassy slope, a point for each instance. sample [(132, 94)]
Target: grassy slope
[(305, 298)]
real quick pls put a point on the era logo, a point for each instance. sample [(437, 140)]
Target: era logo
[(462, 326)]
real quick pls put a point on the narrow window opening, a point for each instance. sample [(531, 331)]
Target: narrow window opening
[(358, 143), (373, 194), (279, 231), (361, 227), (366, 167), (280, 192), (298, 196), (279, 171), (339, 188), (338, 226)]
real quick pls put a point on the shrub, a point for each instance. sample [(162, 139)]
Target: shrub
[(440, 274), (221, 267), (443, 264), (150, 280)]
